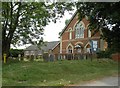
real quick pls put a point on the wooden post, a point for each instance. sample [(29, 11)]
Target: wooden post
[(19, 57), (4, 55)]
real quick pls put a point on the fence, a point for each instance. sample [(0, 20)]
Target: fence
[(74, 56), (55, 57)]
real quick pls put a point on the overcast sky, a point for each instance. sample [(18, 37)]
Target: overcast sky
[(51, 32)]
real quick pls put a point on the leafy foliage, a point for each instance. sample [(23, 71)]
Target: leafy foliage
[(103, 17), (104, 54), (27, 20), (16, 52), (67, 21), (24, 22)]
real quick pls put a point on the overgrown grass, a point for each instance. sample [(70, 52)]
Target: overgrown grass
[(59, 73)]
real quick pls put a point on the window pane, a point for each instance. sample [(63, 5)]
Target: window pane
[(89, 33), (70, 35), (79, 30)]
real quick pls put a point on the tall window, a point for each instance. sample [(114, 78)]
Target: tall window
[(88, 48), (69, 50), (89, 33), (79, 30), (70, 34), (78, 48)]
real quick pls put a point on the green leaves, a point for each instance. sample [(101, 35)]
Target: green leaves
[(101, 15), (25, 21)]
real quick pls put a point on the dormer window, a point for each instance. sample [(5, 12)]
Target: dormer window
[(79, 30)]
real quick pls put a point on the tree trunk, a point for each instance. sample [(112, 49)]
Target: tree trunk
[(7, 38), (5, 48)]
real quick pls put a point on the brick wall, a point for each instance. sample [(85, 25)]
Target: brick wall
[(56, 49), (83, 41)]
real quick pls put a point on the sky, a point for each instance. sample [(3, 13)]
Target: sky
[(51, 32)]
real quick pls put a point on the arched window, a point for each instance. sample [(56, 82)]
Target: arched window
[(78, 48), (70, 49), (70, 34), (89, 33), (88, 48), (79, 30)]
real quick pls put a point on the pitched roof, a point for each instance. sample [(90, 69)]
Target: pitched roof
[(68, 23), (49, 45), (45, 47), (32, 47), (56, 45)]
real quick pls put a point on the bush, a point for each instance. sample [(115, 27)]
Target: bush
[(45, 57), (16, 52), (12, 60), (104, 54)]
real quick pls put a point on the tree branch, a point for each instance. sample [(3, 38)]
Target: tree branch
[(4, 27), (15, 24)]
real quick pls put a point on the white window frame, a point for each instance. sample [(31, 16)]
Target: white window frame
[(70, 33), (89, 33), (79, 32), (67, 48)]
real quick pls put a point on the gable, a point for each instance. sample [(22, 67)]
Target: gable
[(45, 47), (32, 48), (49, 45), (67, 26), (74, 20)]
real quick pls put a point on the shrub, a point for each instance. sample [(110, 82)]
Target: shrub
[(12, 60), (104, 54), (45, 57), (16, 52)]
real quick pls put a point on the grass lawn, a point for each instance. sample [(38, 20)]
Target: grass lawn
[(59, 73)]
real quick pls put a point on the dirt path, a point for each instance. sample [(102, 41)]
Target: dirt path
[(107, 81)]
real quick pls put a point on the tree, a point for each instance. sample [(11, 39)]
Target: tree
[(103, 16), (67, 21), (24, 22)]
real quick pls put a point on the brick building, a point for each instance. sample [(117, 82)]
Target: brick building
[(76, 38), (34, 51)]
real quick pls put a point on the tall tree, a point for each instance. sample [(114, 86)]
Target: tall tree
[(67, 21), (24, 22), (105, 17)]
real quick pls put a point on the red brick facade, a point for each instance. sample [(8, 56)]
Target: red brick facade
[(56, 49), (69, 41)]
